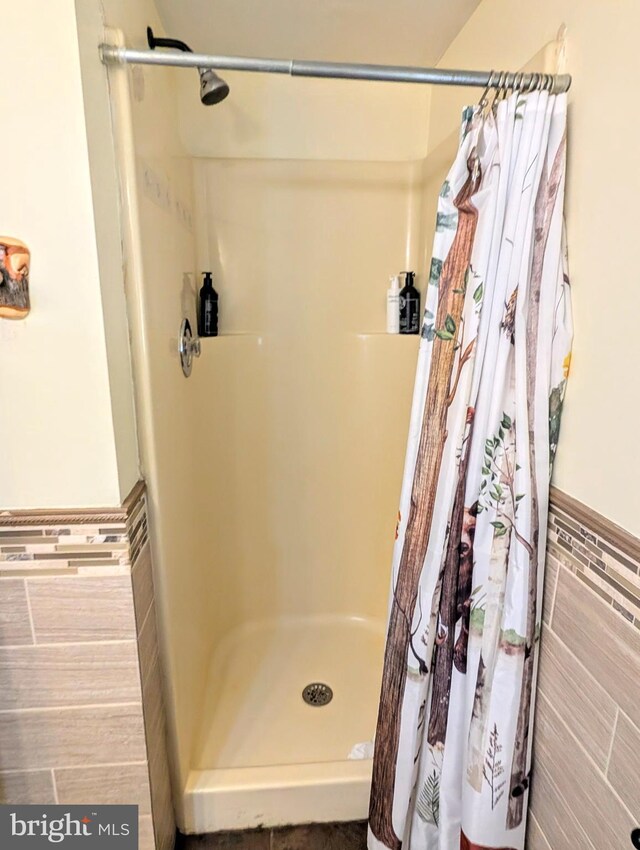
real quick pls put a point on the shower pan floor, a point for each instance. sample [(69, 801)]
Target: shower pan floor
[(264, 755)]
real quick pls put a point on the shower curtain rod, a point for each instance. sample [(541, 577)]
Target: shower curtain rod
[(555, 83)]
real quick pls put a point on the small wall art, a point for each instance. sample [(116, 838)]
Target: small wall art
[(15, 258)]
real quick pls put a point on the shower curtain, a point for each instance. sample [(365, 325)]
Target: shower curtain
[(452, 761)]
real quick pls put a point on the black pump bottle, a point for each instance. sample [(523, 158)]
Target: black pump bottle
[(409, 306), (208, 318)]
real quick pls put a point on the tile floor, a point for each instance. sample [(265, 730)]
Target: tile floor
[(321, 836)]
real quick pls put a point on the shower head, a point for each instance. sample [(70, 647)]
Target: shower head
[(213, 88)]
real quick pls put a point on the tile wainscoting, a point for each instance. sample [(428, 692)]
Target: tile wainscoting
[(81, 710), (586, 783), (82, 718)]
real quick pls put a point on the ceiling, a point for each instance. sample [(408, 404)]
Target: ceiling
[(402, 32)]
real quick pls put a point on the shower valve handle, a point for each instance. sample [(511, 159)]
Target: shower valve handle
[(188, 347)]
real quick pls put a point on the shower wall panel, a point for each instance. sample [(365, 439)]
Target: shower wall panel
[(303, 400), (159, 246)]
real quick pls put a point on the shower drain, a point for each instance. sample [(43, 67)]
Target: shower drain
[(317, 693)]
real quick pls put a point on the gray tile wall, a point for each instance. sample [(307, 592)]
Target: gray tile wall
[(586, 780), (81, 708), (152, 700)]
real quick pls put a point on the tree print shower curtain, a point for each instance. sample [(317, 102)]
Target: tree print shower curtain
[(452, 761)]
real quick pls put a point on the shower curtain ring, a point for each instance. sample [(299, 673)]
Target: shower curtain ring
[(484, 98), (504, 86), (498, 88), (533, 82), (517, 83), (495, 86)]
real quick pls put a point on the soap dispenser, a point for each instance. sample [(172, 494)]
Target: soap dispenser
[(409, 306), (208, 318), (393, 306)]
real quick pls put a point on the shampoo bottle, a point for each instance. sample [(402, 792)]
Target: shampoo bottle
[(393, 306), (208, 319), (409, 306)]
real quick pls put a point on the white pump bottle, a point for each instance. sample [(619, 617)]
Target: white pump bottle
[(393, 306)]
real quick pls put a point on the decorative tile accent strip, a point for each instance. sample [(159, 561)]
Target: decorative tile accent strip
[(602, 555), (75, 541)]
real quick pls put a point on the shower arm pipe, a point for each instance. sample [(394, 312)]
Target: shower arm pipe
[(113, 55)]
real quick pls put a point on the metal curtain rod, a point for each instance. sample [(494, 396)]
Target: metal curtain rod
[(556, 84)]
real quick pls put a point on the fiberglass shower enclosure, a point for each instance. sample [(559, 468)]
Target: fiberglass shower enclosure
[(273, 472), (274, 469)]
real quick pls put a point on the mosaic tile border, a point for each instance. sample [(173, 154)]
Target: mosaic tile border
[(602, 555), (74, 542)]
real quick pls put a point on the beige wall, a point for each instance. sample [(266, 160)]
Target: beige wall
[(62, 435), (108, 236), (596, 461)]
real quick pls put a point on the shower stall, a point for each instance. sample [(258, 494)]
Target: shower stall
[(274, 469), (302, 464)]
